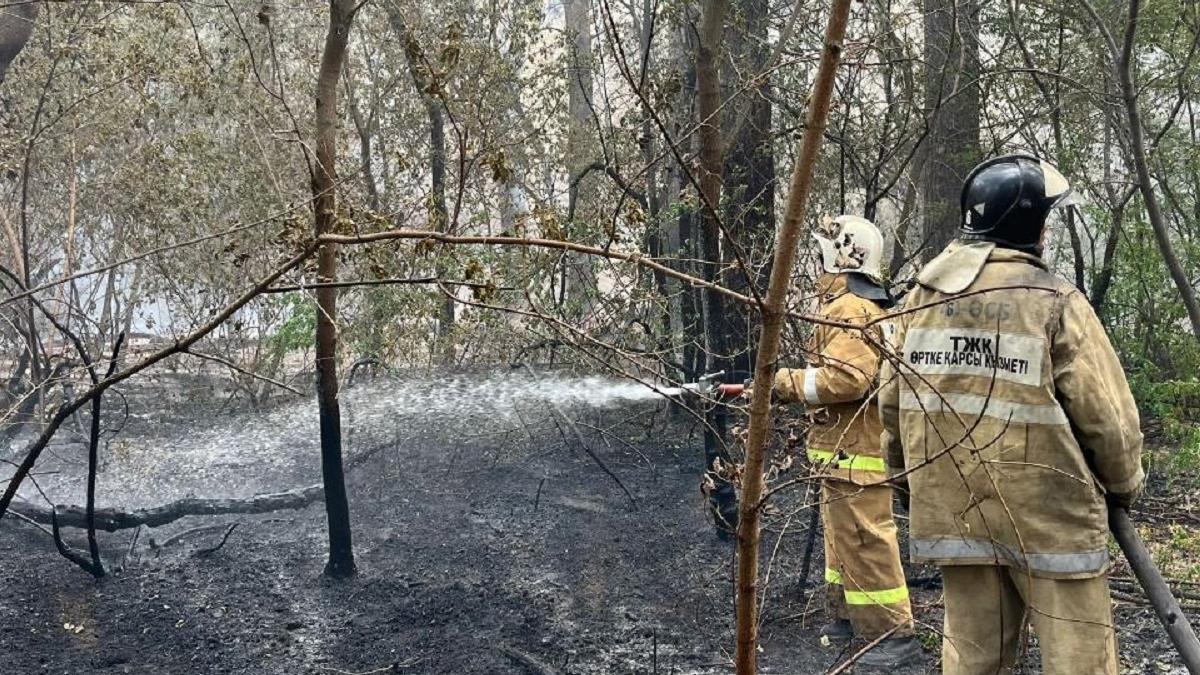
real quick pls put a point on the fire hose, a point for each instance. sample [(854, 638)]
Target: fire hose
[(1157, 591)]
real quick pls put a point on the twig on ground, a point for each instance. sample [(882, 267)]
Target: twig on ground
[(132, 545), (213, 549), (176, 538), (583, 444), (30, 521), (531, 662), (390, 668)]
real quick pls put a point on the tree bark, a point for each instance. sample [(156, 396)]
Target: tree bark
[(654, 201), (708, 100), (578, 273), (749, 180), (686, 303), (952, 98), (773, 314), (324, 186), (439, 213)]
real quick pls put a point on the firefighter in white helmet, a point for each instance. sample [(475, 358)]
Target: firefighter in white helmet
[(1008, 413), (866, 591)]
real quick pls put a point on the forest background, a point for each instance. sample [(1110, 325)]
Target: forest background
[(605, 181)]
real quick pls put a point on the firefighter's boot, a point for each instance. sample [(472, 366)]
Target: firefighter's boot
[(892, 653), (838, 630)]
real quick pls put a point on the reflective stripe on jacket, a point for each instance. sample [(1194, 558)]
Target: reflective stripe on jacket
[(1012, 411), (838, 385)]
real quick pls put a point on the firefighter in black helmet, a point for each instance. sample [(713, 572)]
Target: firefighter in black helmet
[(1011, 412)]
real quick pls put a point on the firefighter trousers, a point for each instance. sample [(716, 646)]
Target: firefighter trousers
[(864, 580), (988, 607)]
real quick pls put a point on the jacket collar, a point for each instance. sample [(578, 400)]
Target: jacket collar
[(957, 267), (831, 286), (999, 254)]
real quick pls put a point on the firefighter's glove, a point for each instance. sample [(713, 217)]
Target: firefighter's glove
[(1125, 500)]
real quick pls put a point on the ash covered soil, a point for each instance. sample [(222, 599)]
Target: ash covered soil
[(487, 541)]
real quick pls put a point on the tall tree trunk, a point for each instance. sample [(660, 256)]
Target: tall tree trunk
[(1124, 66), (324, 186), (364, 126), (952, 99), (749, 172), (578, 271), (768, 347), (708, 100), (686, 325), (654, 224), (422, 78)]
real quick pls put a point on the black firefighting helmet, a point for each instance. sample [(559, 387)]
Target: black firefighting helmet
[(1007, 200)]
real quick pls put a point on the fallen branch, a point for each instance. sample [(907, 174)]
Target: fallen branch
[(1177, 626), (531, 662), (113, 520)]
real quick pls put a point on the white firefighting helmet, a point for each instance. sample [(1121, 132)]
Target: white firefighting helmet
[(850, 244)]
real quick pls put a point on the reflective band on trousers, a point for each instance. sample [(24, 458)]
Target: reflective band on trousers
[(888, 597), (849, 462), (977, 549)]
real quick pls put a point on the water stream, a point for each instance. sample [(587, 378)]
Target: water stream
[(248, 452)]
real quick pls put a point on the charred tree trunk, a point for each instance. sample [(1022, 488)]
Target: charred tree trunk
[(952, 99), (749, 175), (654, 224), (16, 25), (337, 507), (97, 565), (686, 312), (768, 350), (723, 500)]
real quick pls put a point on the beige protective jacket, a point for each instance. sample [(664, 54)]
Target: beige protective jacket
[(1012, 413), (838, 386)]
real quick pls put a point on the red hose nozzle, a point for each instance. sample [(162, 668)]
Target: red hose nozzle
[(731, 390)]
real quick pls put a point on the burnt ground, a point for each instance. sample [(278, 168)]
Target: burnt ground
[(486, 543)]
